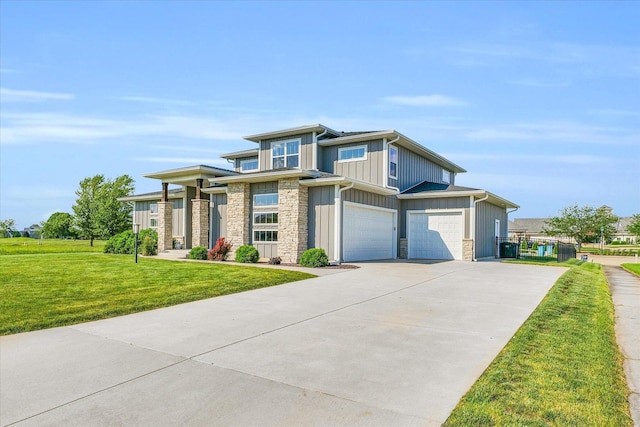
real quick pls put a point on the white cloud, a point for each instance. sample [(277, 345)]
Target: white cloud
[(11, 95), (568, 132), (153, 100), (537, 83), (426, 101)]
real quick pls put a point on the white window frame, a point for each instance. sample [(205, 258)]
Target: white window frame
[(352, 148), (255, 196), (151, 223), (446, 176), (391, 147), (244, 161), (286, 155), (272, 213), (153, 211), (266, 231)]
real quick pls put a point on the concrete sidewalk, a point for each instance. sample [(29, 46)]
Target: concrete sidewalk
[(386, 344), (625, 290)]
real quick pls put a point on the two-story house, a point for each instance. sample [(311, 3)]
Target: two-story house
[(357, 195)]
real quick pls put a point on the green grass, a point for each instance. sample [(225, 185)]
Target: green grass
[(562, 367), (49, 290), (632, 268), (25, 245)]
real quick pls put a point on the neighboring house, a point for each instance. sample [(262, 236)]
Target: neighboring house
[(358, 195), (532, 229), (33, 231)]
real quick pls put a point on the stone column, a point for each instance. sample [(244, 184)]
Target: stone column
[(238, 209), (165, 226), (467, 249), (200, 222), (293, 219)]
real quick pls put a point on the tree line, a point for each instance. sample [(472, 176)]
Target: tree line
[(97, 212)]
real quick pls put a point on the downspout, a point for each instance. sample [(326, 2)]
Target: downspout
[(338, 221), (315, 148), (473, 223), (385, 146)]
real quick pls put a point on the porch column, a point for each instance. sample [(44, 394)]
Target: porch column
[(165, 192), (467, 249), (199, 219), (165, 225), (293, 219), (238, 209)]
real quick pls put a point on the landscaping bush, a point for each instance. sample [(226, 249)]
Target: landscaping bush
[(315, 257), (124, 243), (524, 246), (220, 251), (247, 253), (534, 247), (198, 252), (276, 260)]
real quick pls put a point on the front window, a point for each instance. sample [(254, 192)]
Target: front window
[(247, 165), (393, 162), (285, 154), (265, 218), (351, 154), (446, 176), (265, 236), (153, 208), (153, 222), (265, 200)]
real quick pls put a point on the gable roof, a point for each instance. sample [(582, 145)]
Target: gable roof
[(432, 190), (400, 140), (291, 132)]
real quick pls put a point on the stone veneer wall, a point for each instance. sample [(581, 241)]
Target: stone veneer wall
[(293, 219), (403, 250), (467, 249), (200, 223), (165, 226), (238, 209)]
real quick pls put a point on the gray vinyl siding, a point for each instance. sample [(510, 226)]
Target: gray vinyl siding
[(266, 250), (414, 169), (322, 219), (370, 170), (218, 217), (434, 204), (143, 217), (372, 199), (486, 215), (306, 151)]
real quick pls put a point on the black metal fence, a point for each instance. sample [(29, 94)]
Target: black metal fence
[(515, 247)]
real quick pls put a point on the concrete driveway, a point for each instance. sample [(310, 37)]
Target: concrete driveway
[(390, 343)]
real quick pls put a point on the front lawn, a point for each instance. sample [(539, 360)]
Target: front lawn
[(562, 367), (26, 245), (633, 268), (48, 290)]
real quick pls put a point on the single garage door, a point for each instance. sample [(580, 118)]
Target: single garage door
[(368, 233), (435, 235)]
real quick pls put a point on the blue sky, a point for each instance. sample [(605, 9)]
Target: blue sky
[(539, 101)]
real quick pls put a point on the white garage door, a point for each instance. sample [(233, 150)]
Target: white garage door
[(435, 235), (368, 233)]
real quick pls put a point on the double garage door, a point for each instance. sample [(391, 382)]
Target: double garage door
[(435, 235), (368, 232)]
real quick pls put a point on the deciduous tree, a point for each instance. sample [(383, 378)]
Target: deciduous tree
[(581, 222), (7, 226), (97, 212), (634, 225), (59, 226)]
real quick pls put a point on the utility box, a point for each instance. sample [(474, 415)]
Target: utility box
[(508, 250)]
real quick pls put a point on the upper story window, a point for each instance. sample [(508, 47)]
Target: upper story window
[(352, 154), (265, 200), (393, 162), (153, 208), (247, 165), (285, 154), (446, 176)]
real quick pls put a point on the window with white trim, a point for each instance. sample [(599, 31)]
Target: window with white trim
[(153, 222), (352, 154), (153, 208), (285, 154), (393, 162), (265, 235), (265, 218), (446, 176), (247, 165), (265, 200)]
